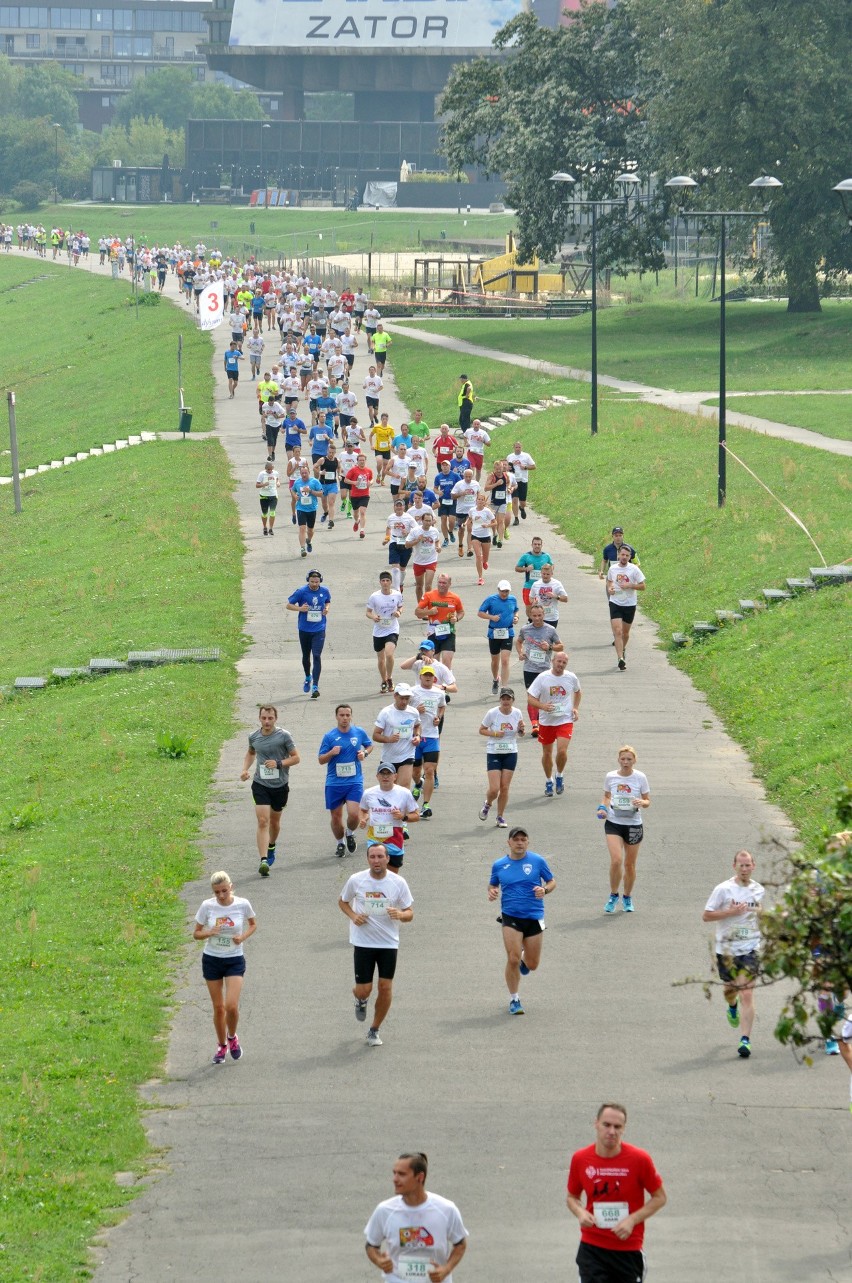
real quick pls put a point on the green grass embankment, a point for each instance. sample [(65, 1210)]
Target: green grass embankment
[(137, 549)]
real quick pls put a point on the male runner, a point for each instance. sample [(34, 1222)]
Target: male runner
[(734, 906), (272, 750), (341, 752), (375, 901), (521, 879)]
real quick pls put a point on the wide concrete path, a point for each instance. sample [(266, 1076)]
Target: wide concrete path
[(689, 402), (267, 1169)]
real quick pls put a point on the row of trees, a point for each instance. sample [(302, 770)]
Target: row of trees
[(149, 124), (723, 90)]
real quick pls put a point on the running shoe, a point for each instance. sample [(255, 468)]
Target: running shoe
[(306, 685), (331, 525), (360, 1008), (363, 535), (505, 538), (523, 968), (355, 527), (265, 532), (498, 543), (495, 687), (560, 785), (351, 844), (234, 1047), (309, 546), (271, 532), (270, 856), (426, 813), (627, 903), (452, 539), (304, 552), (340, 850), (415, 791), (611, 904), (221, 1053), (324, 517), (548, 789), (461, 551), (501, 823), (515, 1007), (315, 693), (445, 544), (480, 582), (470, 552), (373, 1039), (744, 1048), (437, 781), (264, 869), (831, 1047), (523, 514), (621, 665), (485, 565), (516, 522), (733, 1014), (293, 518), (483, 814)]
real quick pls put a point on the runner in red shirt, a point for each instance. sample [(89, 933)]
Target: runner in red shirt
[(444, 445), (359, 479), (614, 1178)]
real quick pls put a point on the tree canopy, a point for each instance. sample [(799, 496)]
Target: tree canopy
[(722, 89), (173, 96)]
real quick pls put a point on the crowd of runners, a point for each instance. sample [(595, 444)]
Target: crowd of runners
[(332, 455)]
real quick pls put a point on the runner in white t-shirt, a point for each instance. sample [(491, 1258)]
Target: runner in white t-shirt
[(522, 464), (477, 439), (734, 906), (556, 694), (267, 485), (501, 726), (464, 494), (424, 1233), (425, 541), (547, 592), (375, 901), (397, 729), (224, 923), (626, 796), (384, 608), (623, 581)]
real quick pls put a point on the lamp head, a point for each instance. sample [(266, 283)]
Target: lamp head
[(844, 191)]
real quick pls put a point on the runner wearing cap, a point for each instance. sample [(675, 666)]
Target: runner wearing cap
[(501, 611), (341, 752), (501, 727), (426, 655), (384, 608), (610, 552), (385, 811), (556, 694), (375, 901), (521, 879), (397, 728), (430, 702)]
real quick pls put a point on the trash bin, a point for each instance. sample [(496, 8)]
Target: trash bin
[(185, 419)]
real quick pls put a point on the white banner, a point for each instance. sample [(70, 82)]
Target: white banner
[(211, 306), (381, 24)]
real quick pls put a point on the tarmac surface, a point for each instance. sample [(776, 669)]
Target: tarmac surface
[(268, 1169)]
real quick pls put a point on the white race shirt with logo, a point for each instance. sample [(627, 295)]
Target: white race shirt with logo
[(558, 691), (741, 933), (624, 578), (384, 604), (373, 897), (507, 724), (416, 1235), (229, 920), (623, 791)]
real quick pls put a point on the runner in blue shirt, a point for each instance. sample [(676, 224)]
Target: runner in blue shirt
[(320, 437), (313, 342), (233, 356), (294, 429), (443, 484), (341, 752), (501, 611), (521, 879), (459, 464), (311, 603), (307, 491), (327, 407)]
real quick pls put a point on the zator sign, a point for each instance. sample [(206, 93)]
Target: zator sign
[(370, 24)]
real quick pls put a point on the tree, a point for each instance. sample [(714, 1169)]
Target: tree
[(142, 142), (8, 86), (748, 87), (165, 94), (212, 101), (568, 99), (808, 934), (47, 91)]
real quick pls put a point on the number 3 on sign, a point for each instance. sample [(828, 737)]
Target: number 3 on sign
[(213, 302)]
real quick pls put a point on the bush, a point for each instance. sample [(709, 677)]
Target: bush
[(436, 176), (30, 195), (174, 744)]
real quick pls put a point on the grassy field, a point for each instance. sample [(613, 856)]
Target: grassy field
[(780, 681), (97, 832), (288, 232), (676, 345), (829, 415), (105, 373)]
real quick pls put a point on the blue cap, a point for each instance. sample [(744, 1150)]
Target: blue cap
[(427, 645)]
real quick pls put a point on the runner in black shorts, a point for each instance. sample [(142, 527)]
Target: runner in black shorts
[(520, 880), (272, 751)]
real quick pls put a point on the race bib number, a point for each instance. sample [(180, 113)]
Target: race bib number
[(382, 830), (608, 1215), (623, 802), (536, 655), (431, 706), (268, 772), (224, 942), (412, 1267), (533, 574), (500, 634), (375, 904), (405, 732), (443, 630), (739, 933), (499, 496), (328, 477), (505, 746), (386, 621), (346, 770), (563, 709), (314, 616)]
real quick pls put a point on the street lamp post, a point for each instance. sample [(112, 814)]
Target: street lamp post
[(56, 129), (765, 183), (263, 168), (628, 181)]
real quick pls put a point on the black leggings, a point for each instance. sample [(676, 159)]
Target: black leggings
[(312, 644)]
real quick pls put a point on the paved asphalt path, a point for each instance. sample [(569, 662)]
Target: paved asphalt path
[(268, 1169)]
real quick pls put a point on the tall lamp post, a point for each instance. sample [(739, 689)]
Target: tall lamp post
[(56, 129), (263, 167), (629, 182), (765, 183)]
